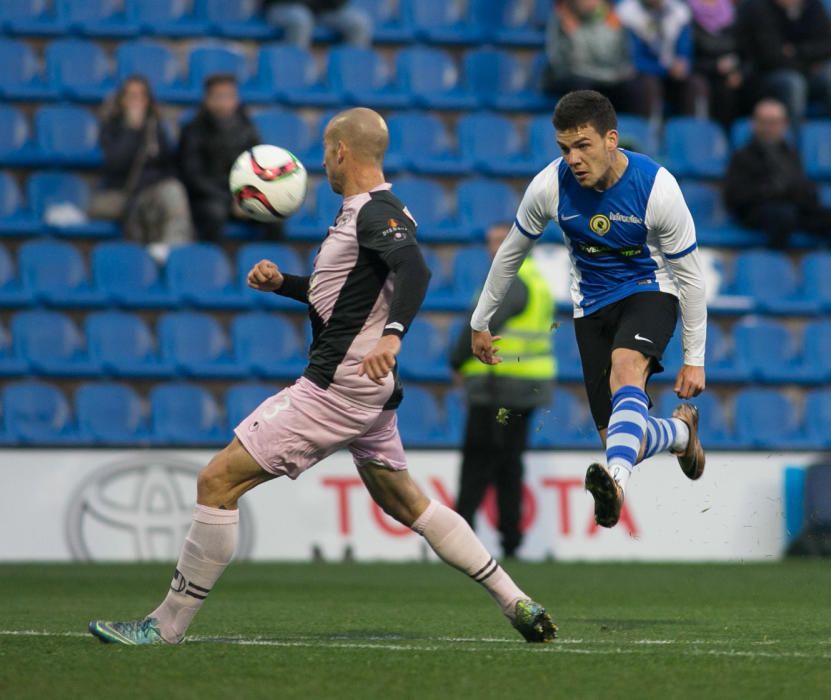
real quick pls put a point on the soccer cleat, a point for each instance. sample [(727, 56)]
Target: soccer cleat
[(692, 459), (608, 496), (132, 633), (533, 622)]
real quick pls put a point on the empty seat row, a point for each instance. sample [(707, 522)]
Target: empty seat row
[(501, 21), (421, 76), (182, 413)]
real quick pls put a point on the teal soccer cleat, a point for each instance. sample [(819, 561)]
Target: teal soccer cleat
[(533, 622), (132, 633)]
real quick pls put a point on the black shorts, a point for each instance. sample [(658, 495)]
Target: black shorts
[(644, 321)]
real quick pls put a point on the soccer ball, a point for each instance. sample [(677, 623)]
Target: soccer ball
[(268, 183)]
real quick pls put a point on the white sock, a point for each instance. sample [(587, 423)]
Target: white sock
[(620, 474), (455, 542), (208, 549)]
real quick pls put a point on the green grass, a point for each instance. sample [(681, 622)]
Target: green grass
[(424, 631)]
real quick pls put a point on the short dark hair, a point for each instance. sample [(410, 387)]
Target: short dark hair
[(581, 107), (218, 79)]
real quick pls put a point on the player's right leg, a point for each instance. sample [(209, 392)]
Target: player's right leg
[(208, 549)]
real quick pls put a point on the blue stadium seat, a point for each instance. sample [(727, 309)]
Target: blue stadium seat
[(288, 75), (360, 76), (429, 204), (95, 18), (455, 416), (123, 345), (500, 82), (419, 419), (482, 203), (438, 289), (16, 147), (10, 364), (110, 413), (766, 418), (197, 345), (769, 278), (52, 344), (712, 426), (815, 145), (723, 365), (78, 70), (12, 290), (318, 213), (286, 259), (432, 79), (20, 78), (185, 414), (287, 129), (165, 17), (771, 353), (637, 134), (424, 353), (238, 20), (508, 22), (713, 224), (151, 60), (818, 418), (541, 140), (816, 278), (126, 273), (419, 142), (242, 399), (200, 274), (57, 274), (15, 219), (206, 60), (20, 11), (816, 349), (51, 189), (470, 268), (389, 26), (695, 148), (269, 345), (36, 413), (569, 367), (493, 145), (67, 136), (440, 22), (564, 423)]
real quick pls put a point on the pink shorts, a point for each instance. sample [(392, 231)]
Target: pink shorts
[(292, 431)]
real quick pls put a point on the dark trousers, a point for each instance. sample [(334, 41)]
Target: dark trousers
[(209, 217), (779, 219), (492, 454)]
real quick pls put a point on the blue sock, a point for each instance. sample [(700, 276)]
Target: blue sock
[(664, 434), (630, 410)]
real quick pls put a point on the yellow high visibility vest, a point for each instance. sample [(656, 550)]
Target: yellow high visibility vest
[(525, 348)]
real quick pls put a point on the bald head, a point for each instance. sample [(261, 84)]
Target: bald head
[(363, 131)]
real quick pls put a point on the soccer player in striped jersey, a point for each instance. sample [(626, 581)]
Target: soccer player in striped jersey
[(634, 262)]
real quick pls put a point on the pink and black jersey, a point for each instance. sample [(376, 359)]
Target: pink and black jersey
[(369, 280)]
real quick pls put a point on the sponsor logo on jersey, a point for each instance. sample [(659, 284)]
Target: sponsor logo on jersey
[(625, 218), (600, 224), (395, 229)]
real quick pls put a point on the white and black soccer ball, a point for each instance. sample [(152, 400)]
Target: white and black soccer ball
[(268, 182)]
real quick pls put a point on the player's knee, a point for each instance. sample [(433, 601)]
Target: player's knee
[(628, 367), (213, 485)]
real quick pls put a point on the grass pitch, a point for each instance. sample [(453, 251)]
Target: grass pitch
[(424, 631)]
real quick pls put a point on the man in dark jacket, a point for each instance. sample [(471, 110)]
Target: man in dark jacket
[(787, 45), (501, 398), (208, 147), (766, 187)]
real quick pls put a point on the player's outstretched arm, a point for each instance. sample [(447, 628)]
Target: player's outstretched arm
[(482, 346)]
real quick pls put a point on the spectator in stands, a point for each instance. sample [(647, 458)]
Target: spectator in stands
[(208, 147), (660, 32), (766, 187), (787, 44), (587, 49), (139, 184), (715, 55), (501, 398), (297, 20)]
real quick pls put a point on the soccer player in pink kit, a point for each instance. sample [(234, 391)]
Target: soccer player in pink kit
[(368, 283)]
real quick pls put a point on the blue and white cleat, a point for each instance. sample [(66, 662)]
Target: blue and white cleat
[(533, 622), (132, 633)]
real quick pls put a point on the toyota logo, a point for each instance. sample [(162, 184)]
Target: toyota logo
[(139, 509)]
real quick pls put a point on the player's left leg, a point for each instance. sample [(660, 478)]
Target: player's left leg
[(381, 464)]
